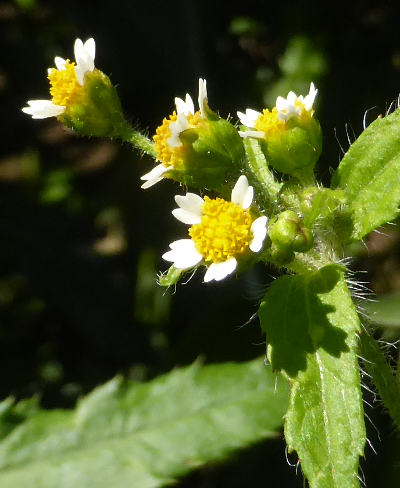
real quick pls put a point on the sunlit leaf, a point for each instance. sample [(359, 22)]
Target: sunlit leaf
[(370, 174), (311, 328)]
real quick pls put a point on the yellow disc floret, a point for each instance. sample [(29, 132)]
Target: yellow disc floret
[(224, 231), (64, 85), (269, 122), (166, 154)]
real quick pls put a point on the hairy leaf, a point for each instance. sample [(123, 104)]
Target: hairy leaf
[(382, 375), (370, 174), (146, 435), (311, 328)]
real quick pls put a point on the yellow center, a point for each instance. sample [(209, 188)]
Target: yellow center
[(64, 85), (224, 231), (269, 122), (172, 156)]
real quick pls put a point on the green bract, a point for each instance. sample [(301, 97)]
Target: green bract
[(99, 111), (213, 157)]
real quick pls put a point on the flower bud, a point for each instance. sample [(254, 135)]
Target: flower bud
[(288, 233)]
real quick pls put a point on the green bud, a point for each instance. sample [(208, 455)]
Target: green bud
[(99, 111), (287, 232), (280, 257)]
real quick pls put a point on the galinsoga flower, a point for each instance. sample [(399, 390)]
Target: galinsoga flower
[(221, 232), (269, 122), (168, 145), (66, 82)]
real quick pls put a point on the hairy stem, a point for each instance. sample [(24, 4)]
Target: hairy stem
[(263, 180), (138, 140)]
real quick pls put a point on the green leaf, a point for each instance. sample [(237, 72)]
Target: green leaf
[(382, 375), (385, 311), (370, 175), (311, 328), (146, 435)]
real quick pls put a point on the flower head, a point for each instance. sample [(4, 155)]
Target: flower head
[(67, 80), (168, 145), (275, 120), (221, 232), (290, 135)]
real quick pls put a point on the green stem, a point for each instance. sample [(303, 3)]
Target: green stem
[(138, 140), (263, 180), (382, 375)]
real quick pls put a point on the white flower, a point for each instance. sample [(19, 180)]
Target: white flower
[(285, 109), (84, 57), (294, 105), (184, 254), (185, 112)]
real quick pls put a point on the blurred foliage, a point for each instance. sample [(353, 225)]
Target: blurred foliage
[(80, 242), (145, 435)]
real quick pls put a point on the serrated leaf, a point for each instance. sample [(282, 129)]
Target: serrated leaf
[(146, 435), (311, 328), (370, 174)]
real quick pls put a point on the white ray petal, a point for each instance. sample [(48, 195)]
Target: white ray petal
[(184, 107), (60, 63), (190, 202), (183, 254), (202, 96), (242, 193), (186, 217), (219, 271), (310, 98), (176, 128), (155, 175), (281, 103), (42, 109), (84, 57), (259, 230), (249, 118), (256, 134), (90, 48)]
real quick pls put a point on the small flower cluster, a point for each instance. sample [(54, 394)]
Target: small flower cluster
[(67, 82), (202, 150)]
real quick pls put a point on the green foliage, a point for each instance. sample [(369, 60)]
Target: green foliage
[(382, 375), (385, 311), (125, 434), (370, 175), (311, 326)]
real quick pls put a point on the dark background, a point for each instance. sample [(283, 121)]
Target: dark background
[(81, 242)]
